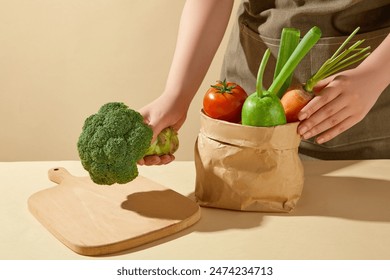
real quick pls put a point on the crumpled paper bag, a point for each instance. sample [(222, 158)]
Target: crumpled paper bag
[(248, 168)]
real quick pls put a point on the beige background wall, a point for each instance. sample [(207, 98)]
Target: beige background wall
[(61, 60)]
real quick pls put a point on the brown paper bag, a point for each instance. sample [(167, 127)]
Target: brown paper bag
[(247, 168)]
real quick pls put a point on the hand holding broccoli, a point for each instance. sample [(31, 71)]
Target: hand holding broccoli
[(114, 139)]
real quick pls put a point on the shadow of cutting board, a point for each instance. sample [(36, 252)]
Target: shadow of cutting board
[(96, 220)]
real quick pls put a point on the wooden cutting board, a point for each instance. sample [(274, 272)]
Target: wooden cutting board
[(93, 219)]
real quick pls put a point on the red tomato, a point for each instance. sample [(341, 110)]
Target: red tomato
[(224, 101)]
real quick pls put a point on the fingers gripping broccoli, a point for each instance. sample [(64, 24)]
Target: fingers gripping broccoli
[(114, 139)]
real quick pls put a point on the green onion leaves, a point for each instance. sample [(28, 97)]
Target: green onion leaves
[(339, 61)]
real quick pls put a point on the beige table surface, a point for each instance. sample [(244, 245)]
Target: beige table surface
[(344, 213)]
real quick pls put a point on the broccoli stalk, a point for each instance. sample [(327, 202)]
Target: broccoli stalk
[(114, 139), (166, 143)]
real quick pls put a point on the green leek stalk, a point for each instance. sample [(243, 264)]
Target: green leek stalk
[(289, 40)]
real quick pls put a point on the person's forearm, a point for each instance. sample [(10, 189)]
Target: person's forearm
[(202, 26), (377, 65)]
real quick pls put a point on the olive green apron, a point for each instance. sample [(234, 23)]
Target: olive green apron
[(259, 26)]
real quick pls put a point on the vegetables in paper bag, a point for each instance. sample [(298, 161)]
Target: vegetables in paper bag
[(264, 108)]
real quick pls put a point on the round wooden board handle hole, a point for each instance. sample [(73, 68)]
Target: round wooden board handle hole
[(58, 174)]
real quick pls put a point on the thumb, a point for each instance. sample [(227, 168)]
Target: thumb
[(157, 128), (161, 125)]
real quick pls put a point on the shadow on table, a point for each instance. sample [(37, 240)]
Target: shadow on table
[(346, 197), (340, 197), (323, 195), (330, 195)]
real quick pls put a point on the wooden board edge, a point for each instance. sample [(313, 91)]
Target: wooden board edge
[(132, 243), (120, 246)]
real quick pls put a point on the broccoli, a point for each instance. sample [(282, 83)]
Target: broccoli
[(114, 139)]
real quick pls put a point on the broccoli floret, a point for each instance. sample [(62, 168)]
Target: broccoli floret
[(114, 139)]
